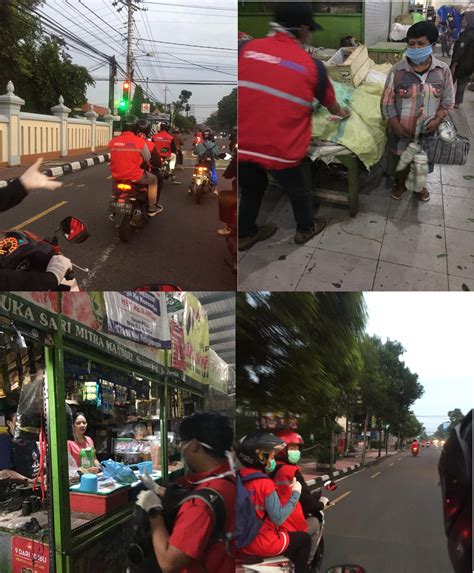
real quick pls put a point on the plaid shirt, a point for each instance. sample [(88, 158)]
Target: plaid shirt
[(409, 98)]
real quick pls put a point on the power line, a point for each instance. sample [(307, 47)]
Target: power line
[(190, 45), (188, 6)]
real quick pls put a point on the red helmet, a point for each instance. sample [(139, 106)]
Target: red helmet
[(289, 437)]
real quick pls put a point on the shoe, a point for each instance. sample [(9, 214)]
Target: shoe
[(225, 231), (424, 195), (155, 210), (263, 233), (319, 224), (112, 217), (398, 191)]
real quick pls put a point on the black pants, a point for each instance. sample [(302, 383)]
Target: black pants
[(298, 550), (253, 181), (179, 157), (461, 84)]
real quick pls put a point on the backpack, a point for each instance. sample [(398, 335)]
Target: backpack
[(208, 155), (247, 523)]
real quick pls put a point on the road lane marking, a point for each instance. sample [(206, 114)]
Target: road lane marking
[(399, 459), (39, 216), (109, 177), (375, 475), (338, 499), (100, 263), (390, 465)]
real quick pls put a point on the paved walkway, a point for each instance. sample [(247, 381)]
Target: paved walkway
[(390, 245), (310, 470)]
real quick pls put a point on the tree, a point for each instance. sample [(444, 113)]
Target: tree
[(137, 100), (39, 67), (455, 417), (226, 115)]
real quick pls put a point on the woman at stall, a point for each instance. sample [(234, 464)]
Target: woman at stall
[(81, 442)]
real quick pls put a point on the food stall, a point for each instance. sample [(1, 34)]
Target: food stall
[(95, 353)]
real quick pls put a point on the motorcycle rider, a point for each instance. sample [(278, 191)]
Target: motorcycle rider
[(10, 196), (207, 438), (144, 131), (306, 514), (257, 452), (127, 153), (208, 150), (166, 146), (278, 81), (415, 446), (455, 472)]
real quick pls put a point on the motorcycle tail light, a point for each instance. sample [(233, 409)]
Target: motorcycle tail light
[(120, 200), (124, 187)]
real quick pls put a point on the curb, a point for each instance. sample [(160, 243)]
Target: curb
[(67, 168), (319, 480)]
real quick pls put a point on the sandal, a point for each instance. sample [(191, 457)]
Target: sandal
[(398, 191), (424, 195)]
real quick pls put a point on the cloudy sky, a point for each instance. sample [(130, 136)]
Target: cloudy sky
[(209, 23), (436, 331)]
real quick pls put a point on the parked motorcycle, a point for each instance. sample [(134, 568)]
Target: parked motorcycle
[(279, 564), (27, 251), (129, 208)]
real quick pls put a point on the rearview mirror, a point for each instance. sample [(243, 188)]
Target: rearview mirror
[(346, 569), (74, 230), (330, 485), (158, 287)]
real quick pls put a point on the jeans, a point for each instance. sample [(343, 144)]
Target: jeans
[(214, 175), (253, 181)]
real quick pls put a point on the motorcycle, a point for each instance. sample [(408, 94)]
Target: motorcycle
[(280, 564), (201, 182), (27, 251), (414, 450), (129, 208)]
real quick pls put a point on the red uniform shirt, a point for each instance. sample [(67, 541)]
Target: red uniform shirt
[(271, 540), (282, 479), (162, 141), (126, 156), (278, 81), (193, 527)]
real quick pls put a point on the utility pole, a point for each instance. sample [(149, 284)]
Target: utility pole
[(129, 42), (166, 92), (112, 76)]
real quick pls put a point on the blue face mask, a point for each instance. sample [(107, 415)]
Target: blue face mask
[(419, 55)]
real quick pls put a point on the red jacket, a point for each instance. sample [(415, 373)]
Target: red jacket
[(278, 81), (127, 156), (282, 479), (162, 140), (271, 540)]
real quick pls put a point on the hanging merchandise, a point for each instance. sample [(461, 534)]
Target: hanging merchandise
[(90, 392)]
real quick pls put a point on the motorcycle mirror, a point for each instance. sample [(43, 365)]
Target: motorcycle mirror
[(158, 287), (74, 230), (346, 569), (330, 485)]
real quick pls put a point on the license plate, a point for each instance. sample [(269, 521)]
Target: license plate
[(123, 208)]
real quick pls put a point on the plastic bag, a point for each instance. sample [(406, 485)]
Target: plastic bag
[(119, 472), (30, 409)]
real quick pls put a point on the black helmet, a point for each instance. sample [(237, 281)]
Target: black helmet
[(129, 123), (207, 133), (292, 15), (144, 126), (455, 472), (254, 449), (165, 126)]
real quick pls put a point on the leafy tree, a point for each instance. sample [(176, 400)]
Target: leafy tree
[(39, 67), (137, 100), (226, 115)]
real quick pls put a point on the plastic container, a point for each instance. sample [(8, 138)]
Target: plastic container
[(88, 483), (98, 503), (142, 466)]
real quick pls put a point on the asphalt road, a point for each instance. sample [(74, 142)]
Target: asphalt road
[(389, 519), (179, 246)]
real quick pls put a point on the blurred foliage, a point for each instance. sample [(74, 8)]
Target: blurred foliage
[(225, 117)]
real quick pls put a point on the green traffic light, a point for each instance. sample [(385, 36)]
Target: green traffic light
[(123, 104)]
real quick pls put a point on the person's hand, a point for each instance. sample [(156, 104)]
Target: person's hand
[(296, 485), (147, 481), (148, 501), (344, 112), (59, 266), (32, 178), (398, 129), (433, 125)]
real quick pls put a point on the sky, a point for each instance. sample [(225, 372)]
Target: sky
[(436, 329), (210, 23)]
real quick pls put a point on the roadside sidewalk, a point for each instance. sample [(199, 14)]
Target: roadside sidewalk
[(57, 167), (343, 466)]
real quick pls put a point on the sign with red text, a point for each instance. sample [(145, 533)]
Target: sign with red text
[(29, 556)]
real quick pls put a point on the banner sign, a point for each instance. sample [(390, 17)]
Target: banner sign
[(196, 339), (138, 316), (29, 555), (218, 372), (20, 307), (178, 355)]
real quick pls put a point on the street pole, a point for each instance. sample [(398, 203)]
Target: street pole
[(129, 45), (112, 74)]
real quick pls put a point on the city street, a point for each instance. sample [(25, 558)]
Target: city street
[(180, 246), (388, 517)]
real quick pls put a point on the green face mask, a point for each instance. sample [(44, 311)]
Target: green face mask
[(294, 456), (271, 467)]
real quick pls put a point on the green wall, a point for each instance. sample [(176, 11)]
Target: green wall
[(335, 27)]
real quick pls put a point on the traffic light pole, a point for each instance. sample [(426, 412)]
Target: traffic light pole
[(112, 75)]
